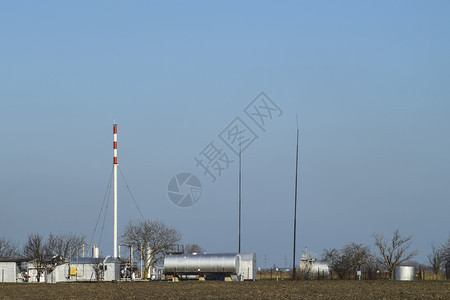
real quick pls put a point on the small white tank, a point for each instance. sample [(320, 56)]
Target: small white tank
[(95, 252), (404, 273)]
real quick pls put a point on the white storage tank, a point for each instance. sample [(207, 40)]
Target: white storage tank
[(404, 273), (241, 266), (314, 268), (95, 252), (320, 270), (201, 264)]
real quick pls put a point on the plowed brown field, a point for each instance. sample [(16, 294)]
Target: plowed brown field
[(231, 290)]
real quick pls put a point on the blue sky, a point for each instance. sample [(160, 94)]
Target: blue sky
[(368, 80)]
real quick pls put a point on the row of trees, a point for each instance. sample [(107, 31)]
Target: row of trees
[(389, 254), (44, 253), (151, 240), (37, 247), (8, 248)]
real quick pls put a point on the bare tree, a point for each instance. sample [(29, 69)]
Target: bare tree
[(394, 251), (193, 248), (446, 257), (338, 261), (99, 269), (351, 258), (151, 239), (64, 245), (8, 249), (36, 250), (359, 255), (436, 259), (446, 251)]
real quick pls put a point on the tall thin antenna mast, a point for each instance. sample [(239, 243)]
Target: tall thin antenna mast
[(295, 205), (240, 202), (115, 187)]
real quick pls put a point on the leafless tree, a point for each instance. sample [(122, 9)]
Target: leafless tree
[(351, 258), (151, 239), (446, 257), (338, 261), (359, 254), (446, 251), (64, 245), (436, 259), (99, 269), (36, 250), (193, 248), (8, 249), (394, 251)]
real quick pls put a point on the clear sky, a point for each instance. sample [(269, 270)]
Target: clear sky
[(370, 82)]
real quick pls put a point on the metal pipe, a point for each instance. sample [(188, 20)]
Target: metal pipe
[(130, 246)]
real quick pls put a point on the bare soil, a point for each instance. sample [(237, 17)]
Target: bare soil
[(327, 289)]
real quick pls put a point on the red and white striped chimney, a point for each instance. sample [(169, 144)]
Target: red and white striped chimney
[(115, 187), (115, 143)]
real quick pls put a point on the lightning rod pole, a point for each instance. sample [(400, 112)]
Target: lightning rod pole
[(295, 205)]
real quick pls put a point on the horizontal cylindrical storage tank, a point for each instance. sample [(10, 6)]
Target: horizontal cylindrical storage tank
[(315, 269), (320, 269), (404, 273), (201, 264)]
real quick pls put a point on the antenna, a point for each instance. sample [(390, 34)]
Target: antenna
[(295, 205)]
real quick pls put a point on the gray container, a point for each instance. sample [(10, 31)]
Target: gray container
[(202, 264), (404, 273), (320, 269)]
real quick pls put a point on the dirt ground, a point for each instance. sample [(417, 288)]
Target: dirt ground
[(327, 289)]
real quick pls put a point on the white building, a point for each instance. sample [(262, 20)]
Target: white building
[(86, 269), (8, 271), (247, 266)]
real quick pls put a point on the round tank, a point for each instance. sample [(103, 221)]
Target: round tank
[(316, 269), (95, 252), (320, 269), (404, 273), (201, 264)]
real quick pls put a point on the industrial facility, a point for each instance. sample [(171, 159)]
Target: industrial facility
[(177, 266), (312, 268)]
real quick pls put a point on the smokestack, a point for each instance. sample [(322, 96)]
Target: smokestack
[(115, 187)]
